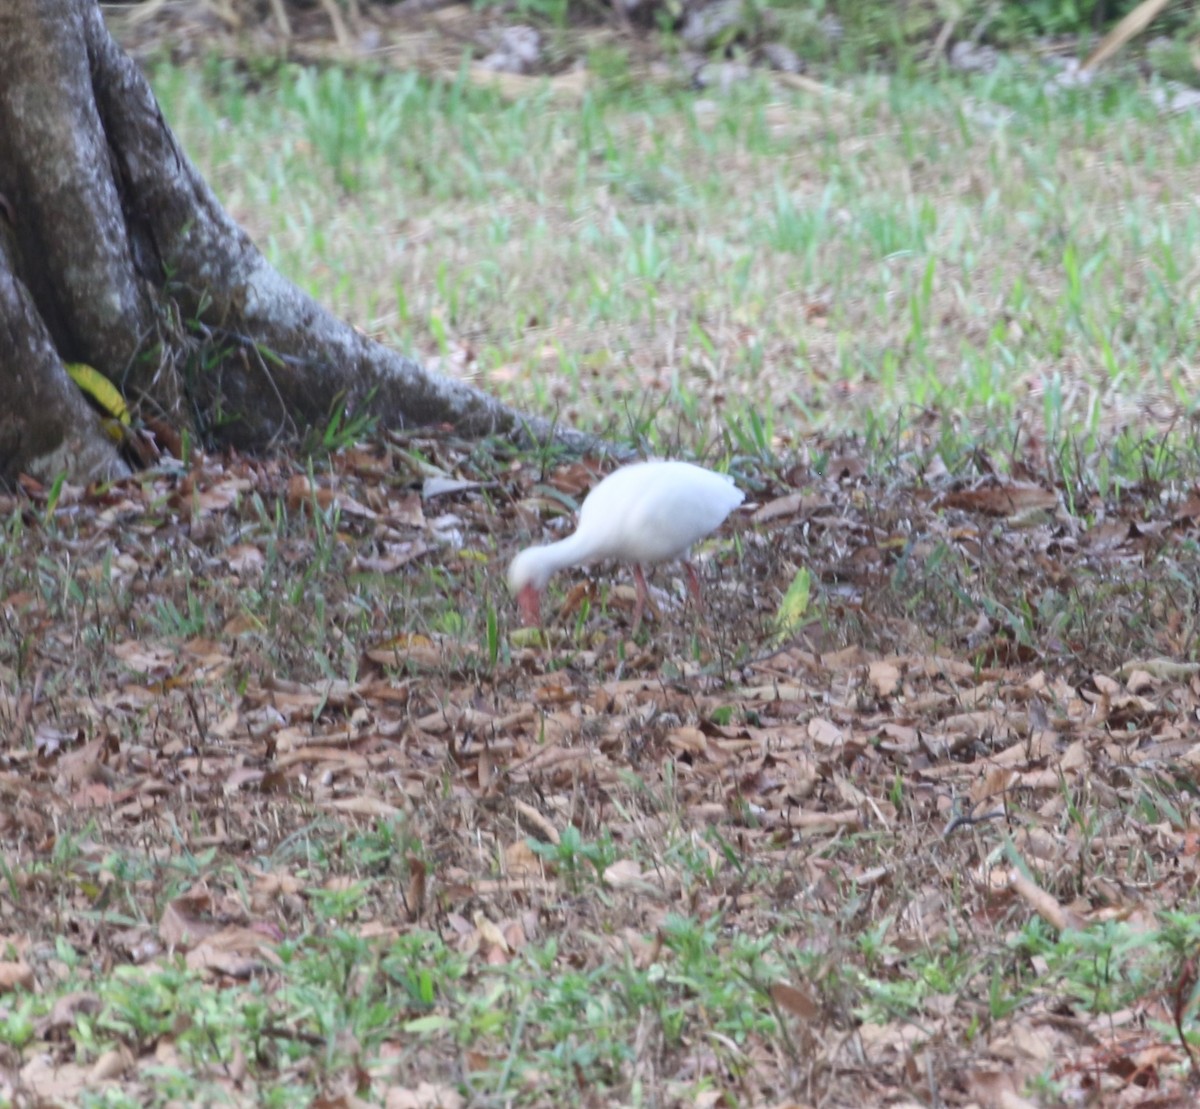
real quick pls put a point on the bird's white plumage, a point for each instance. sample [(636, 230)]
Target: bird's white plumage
[(644, 513), (654, 511)]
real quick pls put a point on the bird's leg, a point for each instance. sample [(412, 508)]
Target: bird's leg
[(639, 579), (530, 603), (694, 586)]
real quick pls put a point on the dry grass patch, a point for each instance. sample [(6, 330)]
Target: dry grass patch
[(1010, 252)]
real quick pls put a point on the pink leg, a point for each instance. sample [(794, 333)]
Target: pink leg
[(643, 595), (639, 579), (694, 586)]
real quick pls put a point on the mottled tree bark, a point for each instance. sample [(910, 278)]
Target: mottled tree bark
[(46, 426), (118, 255)]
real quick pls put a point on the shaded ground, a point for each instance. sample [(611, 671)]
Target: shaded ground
[(286, 804)]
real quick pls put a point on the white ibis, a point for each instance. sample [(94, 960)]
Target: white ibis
[(644, 513)]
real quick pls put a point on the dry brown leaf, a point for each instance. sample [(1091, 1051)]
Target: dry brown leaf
[(690, 739), (848, 658), (414, 899), (803, 83), (406, 647), (273, 883), (15, 976), (814, 822), (1166, 669), (1045, 905), (85, 766), (56, 1083), (547, 831), (301, 492), (792, 504), (62, 1016), (994, 784), (570, 85), (366, 805), (1000, 500), (392, 558), (885, 677), (187, 920), (492, 940), (1134, 23), (146, 658), (625, 874), (244, 558), (998, 1088), (825, 733), (167, 1053), (111, 1064), (520, 860), (796, 1000), (231, 964), (426, 1095)]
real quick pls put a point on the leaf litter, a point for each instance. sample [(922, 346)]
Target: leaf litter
[(972, 747)]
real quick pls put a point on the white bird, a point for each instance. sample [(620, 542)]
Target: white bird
[(644, 513)]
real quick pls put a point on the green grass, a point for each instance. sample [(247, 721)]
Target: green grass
[(540, 1023), (987, 249)]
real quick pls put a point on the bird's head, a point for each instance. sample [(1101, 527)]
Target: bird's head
[(527, 577)]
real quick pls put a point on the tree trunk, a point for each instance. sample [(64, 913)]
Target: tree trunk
[(115, 253)]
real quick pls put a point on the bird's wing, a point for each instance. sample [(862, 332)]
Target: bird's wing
[(672, 515)]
